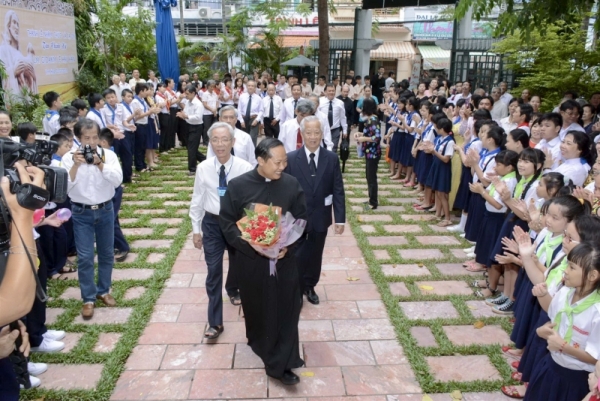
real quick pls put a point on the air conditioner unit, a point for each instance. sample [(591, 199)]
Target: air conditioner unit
[(216, 14), (204, 12)]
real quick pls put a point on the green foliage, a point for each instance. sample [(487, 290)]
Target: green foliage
[(528, 16), (200, 58), (115, 43), (26, 107), (552, 62)]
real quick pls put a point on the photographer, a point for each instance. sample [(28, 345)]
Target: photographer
[(94, 173)]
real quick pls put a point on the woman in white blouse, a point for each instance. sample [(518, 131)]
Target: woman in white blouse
[(575, 151)]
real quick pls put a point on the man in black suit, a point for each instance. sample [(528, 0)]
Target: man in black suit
[(318, 172)]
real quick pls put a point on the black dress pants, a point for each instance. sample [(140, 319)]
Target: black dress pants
[(270, 130), (309, 255), (35, 320), (193, 143), (371, 170)]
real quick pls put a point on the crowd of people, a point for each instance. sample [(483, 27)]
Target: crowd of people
[(526, 185)]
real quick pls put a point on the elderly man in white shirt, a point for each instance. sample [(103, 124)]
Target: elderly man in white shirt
[(91, 183), (272, 107), (500, 109), (289, 105), (281, 87), (250, 111), (192, 114), (242, 146), (135, 79), (505, 96), (291, 135), (335, 111), (210, 185), (116, 87)]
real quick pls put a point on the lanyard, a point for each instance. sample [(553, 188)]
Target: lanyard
[(230, 167), (142, 102), (112, 111), (96, 112)]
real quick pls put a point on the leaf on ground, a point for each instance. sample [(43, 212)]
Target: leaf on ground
[(456, 395), (307, 374), (394, 266), (426, 398), (426, 287), (352, 278), (472, 307), (479, 324), (420, 264), (359, 219)]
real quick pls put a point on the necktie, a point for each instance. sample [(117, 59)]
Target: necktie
[(295, 104), (232, 152), (312, 165), (222, 177), (271, 109), (298, 139), (330, 114), (249, 108)]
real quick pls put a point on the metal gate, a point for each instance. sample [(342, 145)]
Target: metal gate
[(341, 58)]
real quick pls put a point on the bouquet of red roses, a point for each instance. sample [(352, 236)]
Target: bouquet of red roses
[(268, 232)]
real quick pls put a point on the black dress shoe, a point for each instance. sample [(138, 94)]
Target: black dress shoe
[(289, 378), (312, 296)]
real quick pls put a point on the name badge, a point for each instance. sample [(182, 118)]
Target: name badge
[(221, 190)]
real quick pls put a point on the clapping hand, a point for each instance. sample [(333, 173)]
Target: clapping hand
[(507, 259), (428, 147), (549, 162), (473, 157), (476, 188), (539, 290), (521, 206), (523, 239), (582, 193), (510, 245), (555, 342), (546, 330)]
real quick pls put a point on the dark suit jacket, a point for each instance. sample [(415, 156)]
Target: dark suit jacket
[(327, 182)]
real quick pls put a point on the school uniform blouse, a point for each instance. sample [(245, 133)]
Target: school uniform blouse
[(139, 104), (114, 116), (575, 170), (511, 183), (96, 116), (586, 330), (487, 162)]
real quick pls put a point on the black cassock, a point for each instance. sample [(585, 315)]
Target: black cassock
[(271, 304)]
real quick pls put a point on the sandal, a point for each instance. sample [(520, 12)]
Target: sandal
[(69, 267), (58, 276), (517, 376), (480, 294), (469, 263), (475, 268), (513, 391), (515, 365), (213, 332), (513, 355), (445, 223), (235, 300)]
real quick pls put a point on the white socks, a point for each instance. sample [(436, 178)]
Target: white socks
[(463, 220)]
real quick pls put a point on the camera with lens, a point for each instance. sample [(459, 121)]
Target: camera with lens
[(88, 153)]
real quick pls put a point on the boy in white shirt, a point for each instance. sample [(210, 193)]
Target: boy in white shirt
[(64, 146), (113, 114), (550, 124), (50, 120), (96, 103)]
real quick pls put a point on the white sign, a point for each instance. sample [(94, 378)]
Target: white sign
[(415, 74)]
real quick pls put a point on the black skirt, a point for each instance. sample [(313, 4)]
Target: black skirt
[(552, 382)]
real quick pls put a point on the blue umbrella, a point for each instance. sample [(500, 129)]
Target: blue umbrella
[(166, 45)]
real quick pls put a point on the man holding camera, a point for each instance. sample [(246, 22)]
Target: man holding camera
[(94, 173)]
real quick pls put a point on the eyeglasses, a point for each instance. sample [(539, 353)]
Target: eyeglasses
[(217, 141), (570, 239)]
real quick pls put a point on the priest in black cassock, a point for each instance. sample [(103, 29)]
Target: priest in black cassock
[(271, 304)]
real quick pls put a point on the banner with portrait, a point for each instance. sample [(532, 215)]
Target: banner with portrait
[(38, 47)]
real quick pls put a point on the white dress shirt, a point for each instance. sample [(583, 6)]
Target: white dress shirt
[(326, 130), (212, 100), (339, 113), (287, 110), (306, 90), (359, 91), (277, 107), (506, 98), (161, 100), (118, 91), (573, 127), (133, 82), (92, 186), (256, 107), (194, 111), (456, 98), (206, 196), (51, 125), (499, 111), (319, 90), (308, 152), (99, 119), (553, 147), (243, 147), (506, 125), (288, 134), (280, 90), (115, 118), (574, 170)]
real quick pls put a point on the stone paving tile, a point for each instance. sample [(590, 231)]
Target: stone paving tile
[(387, 240), (71, 340), (357, 209), (134, 292), (71, 377), (444, 287), (171, 231), (245, 358), (224, 384), (172, 333), (417, 217), (405, 270), (401, 200), (52, 314), (367, 228), (363, 276), (132, 274), (381, 254), (179, 280), (146, 357), (358, 200), (234, 333), (358, 292), (173, 221), (128, 221), (199, 280), (198, 313), (106, 316), (398, 209), (165, 313), (333, 277), (388, 379), (469, 335), (153, 385), (155, 257), (341, 353), (71, 293), (437, 240), (374, 217), (149, 189), (189, 266), (183, 296), (429, 310), (388, 352), (424, 336), (399, 290), (452, 368), (176, 203), (315, 330), (136, 203), (314, 382), (374, 309), (421, 254), (150, 211), (458, 253), (498, 396), (152, 243), (198, 356), (330, 310), (480, 309), (455, 269), (343, 264), (402, 228), (363, 329), (107, 342), (162, 195)]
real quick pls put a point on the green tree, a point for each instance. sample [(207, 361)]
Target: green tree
[(111, 43), (552, 62)]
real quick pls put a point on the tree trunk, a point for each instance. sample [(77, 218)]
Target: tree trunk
[(323, 12)]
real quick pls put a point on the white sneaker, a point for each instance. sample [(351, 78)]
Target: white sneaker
[(456, 229), (472, 242), (55, 335), (469, 250), (48, 345), (35, 382), (462, 235), (36, 369), (470, 255)]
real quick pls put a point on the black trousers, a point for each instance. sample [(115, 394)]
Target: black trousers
[(335, 138), (139, 150), (182, 131), (309, 254), (208, 120), (53, 241), (193, 143), (214, 244), (35, 320), (270, 130), (124, 148), (371, 172), (9, 386), (164, 120)]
